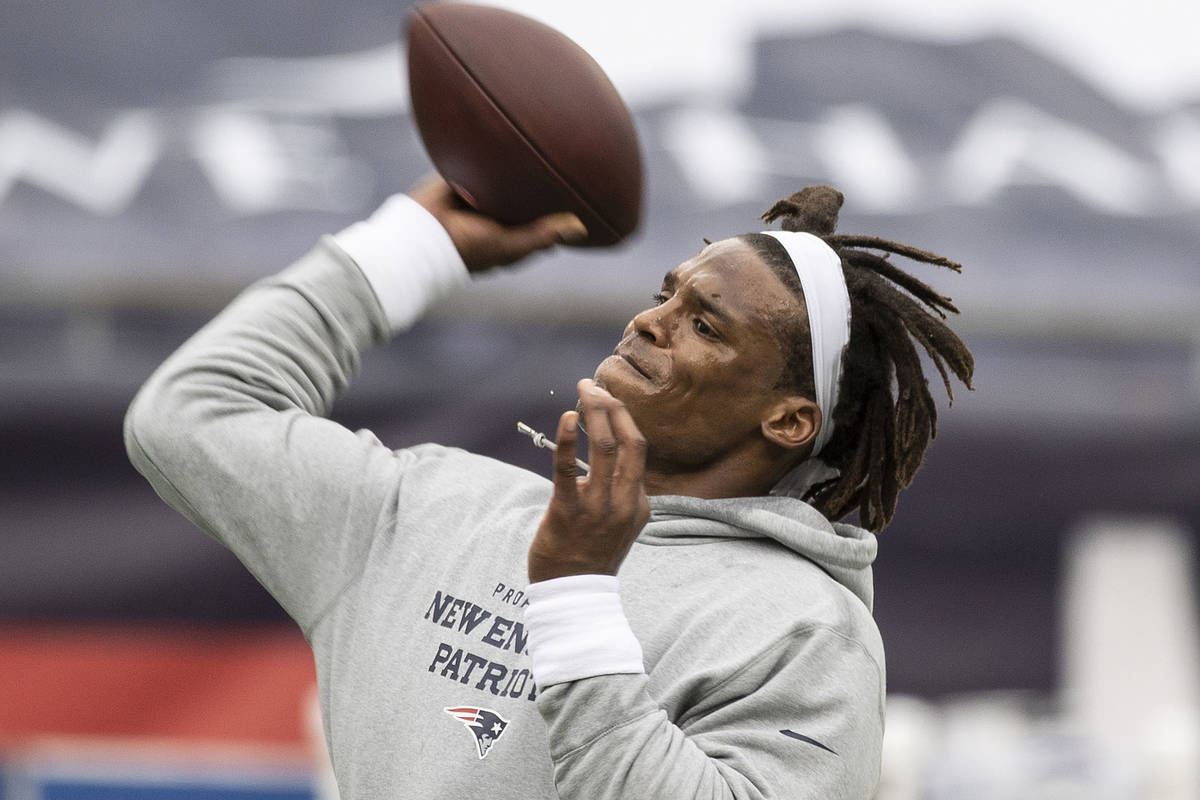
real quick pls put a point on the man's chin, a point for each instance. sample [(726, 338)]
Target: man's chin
[(615, 376), (634, 390)]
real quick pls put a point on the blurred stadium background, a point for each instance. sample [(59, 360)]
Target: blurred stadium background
[(1036, 591)]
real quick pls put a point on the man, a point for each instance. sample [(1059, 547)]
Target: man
[(470, 634)]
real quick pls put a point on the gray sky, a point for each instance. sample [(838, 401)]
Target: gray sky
[(1142, 52)]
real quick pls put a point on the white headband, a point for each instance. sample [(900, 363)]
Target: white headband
[(828, 304)]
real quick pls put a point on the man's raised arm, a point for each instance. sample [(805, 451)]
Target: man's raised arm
[(230, 429)]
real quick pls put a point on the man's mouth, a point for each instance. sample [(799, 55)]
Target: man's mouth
[(637, 366)]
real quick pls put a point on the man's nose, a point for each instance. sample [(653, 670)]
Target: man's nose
[(652, 324)]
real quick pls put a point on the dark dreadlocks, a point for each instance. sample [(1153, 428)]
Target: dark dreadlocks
[(880, 432)]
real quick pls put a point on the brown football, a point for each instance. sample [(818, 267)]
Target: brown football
[(521, 121)]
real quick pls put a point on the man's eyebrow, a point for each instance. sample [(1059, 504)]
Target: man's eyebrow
[(669, 282), (712, 308)]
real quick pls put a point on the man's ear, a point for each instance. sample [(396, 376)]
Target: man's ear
[(792, 423)]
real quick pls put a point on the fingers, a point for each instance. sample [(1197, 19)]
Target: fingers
[(484, 242), (565, 228), (565, 470), (514, 242), (618, 449), (631, 452), (595, 403), (591, 523)]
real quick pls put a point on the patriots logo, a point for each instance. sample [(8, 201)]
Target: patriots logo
[(484, 724)]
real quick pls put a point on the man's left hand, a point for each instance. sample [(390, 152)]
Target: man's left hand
[(592, 522)]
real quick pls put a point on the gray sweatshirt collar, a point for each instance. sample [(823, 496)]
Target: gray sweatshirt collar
[(846, 552)]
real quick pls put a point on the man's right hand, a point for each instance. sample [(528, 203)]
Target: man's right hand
[(483, 242)]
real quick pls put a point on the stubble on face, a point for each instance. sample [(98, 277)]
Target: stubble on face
[(696, 370)]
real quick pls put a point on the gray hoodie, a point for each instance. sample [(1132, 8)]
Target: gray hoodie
[(405, 569)]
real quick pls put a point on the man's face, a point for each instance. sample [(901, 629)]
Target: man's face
[(698, 370)]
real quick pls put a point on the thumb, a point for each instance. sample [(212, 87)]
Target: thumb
[(566, 228), (512, 243)]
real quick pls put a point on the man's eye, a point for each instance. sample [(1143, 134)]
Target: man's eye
[(704, 329), (659, 298)]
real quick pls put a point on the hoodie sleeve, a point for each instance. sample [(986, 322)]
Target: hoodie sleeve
[(803, 718), (230, 429)]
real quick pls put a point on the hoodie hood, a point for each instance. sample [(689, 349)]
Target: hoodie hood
[(846, 552)]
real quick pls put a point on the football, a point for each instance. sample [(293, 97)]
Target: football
[(521, 121)]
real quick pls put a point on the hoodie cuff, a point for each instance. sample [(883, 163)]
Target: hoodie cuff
[(577, 629), (406, 256)]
